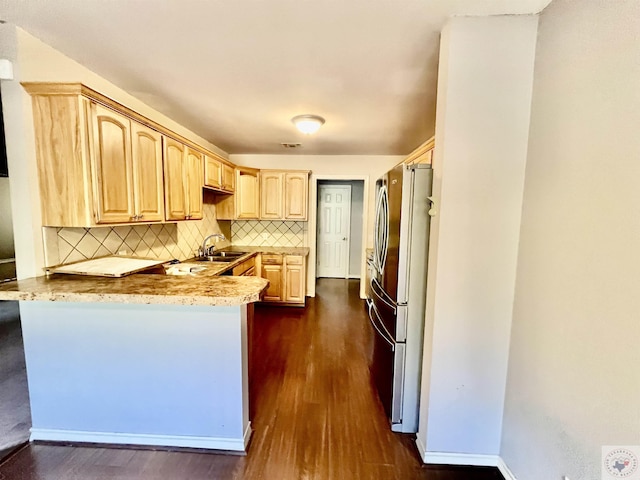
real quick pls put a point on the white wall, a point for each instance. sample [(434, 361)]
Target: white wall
[(574, 381), (36, 61), (25, 200), (483, 110), (6, 227)]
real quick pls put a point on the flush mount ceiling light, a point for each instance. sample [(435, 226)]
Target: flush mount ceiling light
[(308, 124)]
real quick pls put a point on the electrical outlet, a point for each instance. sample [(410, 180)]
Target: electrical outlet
[(265, 236), (123, 252)]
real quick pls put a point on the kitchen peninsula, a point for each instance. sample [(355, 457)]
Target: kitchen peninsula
[(141, 360)]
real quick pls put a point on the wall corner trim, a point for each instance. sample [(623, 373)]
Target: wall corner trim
[(422, 449), (504, 470)]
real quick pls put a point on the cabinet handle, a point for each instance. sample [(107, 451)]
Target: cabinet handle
[(135, 217), (140, 217), (187, 217)]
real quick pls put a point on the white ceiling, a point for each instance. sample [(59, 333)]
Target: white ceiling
[(236, 71)]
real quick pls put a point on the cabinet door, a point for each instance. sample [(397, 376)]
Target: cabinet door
[(174, 185), (271, 202), (146, 148), (228, 177), (294, 283), (273, 273), (212, 172), (247, 194), (194, 184), (295, 198), (112, 166)]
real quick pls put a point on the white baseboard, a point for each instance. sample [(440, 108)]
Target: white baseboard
[(445, 458), (505, 471), (213, 443)]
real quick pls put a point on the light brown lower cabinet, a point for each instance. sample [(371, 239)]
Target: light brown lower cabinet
[(287, 278), (245, 269)]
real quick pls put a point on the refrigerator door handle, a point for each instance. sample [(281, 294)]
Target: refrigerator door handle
[(376, 229), (384, 205), (373, 321), (384, 297)]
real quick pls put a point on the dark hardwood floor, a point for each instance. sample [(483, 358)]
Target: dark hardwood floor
[(314, 412)]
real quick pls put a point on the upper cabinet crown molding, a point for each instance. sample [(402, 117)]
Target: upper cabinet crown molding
[(422, 154)]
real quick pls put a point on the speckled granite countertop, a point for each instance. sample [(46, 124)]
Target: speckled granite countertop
[(205, 286), (138, 288)]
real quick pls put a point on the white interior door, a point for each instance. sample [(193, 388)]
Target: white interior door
[(334, 222)]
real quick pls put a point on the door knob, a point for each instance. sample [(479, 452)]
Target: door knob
[(345, 238)]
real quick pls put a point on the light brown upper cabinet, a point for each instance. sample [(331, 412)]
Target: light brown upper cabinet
[(193, 181), (101, 163), (247, 193), (266, 195), (183, 181), (271, 200), (228, 177), (296, 191), (244, 204), (127, 168), (212, 172), (93, 168), (147, 173), (283, 195), (112, 166), (218, 175)]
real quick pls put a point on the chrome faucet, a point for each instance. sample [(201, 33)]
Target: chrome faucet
[(204, 250)]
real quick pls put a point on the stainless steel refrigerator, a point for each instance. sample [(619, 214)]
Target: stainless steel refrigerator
[(398, 290)]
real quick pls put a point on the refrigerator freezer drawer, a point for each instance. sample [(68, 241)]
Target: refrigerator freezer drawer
[(388, 367)]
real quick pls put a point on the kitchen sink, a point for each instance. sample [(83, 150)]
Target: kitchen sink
[(228, 254), (221, 257)]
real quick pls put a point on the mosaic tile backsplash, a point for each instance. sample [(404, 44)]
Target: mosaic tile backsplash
[(268, 233), (163, 241)]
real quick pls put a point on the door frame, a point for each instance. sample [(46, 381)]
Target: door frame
[(313, 227), (348, 256)]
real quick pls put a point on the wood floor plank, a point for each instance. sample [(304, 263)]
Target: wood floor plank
[(314, 411)]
